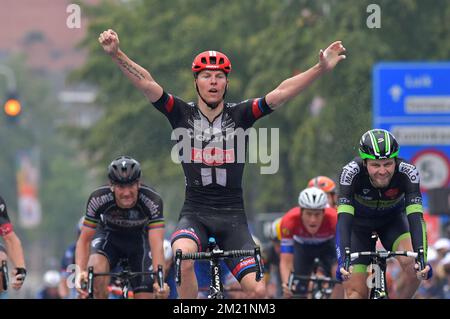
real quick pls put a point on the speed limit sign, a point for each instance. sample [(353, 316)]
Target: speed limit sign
[(434, 168)]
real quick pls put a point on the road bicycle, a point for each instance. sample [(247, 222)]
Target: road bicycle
[(378, 262)]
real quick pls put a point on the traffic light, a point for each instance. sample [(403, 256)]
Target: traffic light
[(12, 107)]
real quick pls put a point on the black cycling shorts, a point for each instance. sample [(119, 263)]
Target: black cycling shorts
[(228, 227), (389, 229), (304, 256), (135, 249)]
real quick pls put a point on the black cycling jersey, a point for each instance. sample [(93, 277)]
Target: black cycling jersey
[(358, 198), (213, 161), (103, 211), (5, 224)]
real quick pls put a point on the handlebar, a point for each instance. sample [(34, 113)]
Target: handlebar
[(90, 283), (347, 259), (420, 259), (178, 257), (160, 278), (314, 278), (124, 274), (5, 276), (219, 254), (259, 264), (383, 254), (317, 278)]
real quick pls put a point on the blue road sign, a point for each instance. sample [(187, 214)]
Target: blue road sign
[(412, 100), (411, 92)]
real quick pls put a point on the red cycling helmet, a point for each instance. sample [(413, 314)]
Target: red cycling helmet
[(324, 183), (211, 60)]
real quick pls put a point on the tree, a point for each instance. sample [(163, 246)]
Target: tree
[(64, 182), (267, 42)]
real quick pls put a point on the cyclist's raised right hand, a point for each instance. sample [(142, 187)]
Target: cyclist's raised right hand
[(81, 284), (109, 41)]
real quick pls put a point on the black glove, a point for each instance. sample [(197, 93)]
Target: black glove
[(22, 272)]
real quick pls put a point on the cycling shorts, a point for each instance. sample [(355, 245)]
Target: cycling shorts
[(389, 230), (228, 227), (135, 249)]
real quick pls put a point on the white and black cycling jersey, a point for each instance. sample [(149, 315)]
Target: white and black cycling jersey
[(102, 211)]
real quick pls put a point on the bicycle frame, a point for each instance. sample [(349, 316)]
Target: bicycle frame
[(214, 256), (5, 276)]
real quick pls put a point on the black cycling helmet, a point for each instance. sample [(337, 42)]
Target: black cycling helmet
[(124, 170), (378, 144)]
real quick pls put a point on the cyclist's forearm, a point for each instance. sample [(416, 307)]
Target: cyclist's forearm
[(418, 230), (156, 242), (82, 254), (286, 266), (139, 76), (157, 257), (14, 250), (293, 86), (343, 234)]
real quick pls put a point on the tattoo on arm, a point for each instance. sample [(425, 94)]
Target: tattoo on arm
[(131, 69)]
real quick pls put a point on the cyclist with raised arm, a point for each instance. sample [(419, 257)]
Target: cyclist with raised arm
[(379, 192), (13, 249), (307, 232), (214, 205), (328, 186), (124, 220)]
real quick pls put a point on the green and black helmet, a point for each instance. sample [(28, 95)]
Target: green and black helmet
[(378, 144)]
